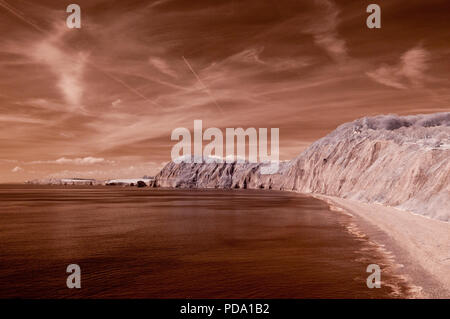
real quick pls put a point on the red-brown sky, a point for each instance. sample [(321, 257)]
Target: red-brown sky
[(102, 101)]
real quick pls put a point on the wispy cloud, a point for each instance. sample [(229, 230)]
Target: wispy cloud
[(409, 72), (324, 26), (21, 119), (162, 66), (116, 103), (68, 67), (45, 47), (76, 161), (414, 65)]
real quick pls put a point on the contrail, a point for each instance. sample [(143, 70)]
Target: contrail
[(202, 84), (22, 17), (123, 84)]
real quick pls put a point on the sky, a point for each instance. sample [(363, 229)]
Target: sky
[(101, 101)]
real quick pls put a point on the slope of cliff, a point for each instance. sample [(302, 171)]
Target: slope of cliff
[(396, 161)]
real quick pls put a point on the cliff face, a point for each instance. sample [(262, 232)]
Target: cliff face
[(218, 175), (397, 161)]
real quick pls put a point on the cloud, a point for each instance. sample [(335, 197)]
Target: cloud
[(66, 135), (68, 67), (116, 103), (80, 161), (388, 75), (44, 104), (17, 169), (336, 47), (131, 171), (251, 55), (8, 161), (324, 30), (21, 119), (414, 64), (162, 66), (409, 72), (76, 161)]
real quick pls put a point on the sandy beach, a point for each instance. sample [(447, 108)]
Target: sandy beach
[(420, 244)]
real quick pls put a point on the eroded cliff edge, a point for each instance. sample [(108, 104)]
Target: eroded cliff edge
[(402, 162)]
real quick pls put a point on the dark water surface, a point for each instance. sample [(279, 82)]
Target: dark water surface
[(146, 243)]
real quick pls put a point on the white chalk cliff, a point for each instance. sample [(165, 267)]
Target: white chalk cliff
[(402, 162)]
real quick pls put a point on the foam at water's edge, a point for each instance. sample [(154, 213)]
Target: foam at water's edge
[(387, 261)]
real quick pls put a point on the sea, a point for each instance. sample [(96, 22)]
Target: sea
[(183, 243)]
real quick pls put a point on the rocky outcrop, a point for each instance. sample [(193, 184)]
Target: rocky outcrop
[(396, 161)]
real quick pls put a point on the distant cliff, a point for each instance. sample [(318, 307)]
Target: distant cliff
[(397, 161)]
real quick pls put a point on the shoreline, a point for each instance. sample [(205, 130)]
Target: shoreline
[(420, 246)]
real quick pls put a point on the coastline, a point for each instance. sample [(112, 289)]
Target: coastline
[(420, 245)]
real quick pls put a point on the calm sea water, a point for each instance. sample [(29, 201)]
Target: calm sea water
[(146, 243)]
